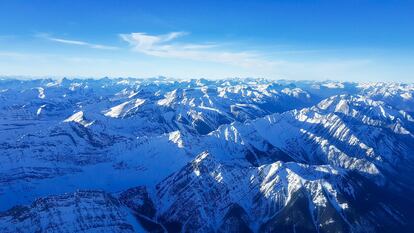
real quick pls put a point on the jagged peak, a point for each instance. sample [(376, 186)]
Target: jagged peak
[(125, 108), (79, 118)]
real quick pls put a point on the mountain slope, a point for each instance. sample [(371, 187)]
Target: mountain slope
[(235, 155)]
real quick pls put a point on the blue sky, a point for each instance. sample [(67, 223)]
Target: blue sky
[(343, 40)]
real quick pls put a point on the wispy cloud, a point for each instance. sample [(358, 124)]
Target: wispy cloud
[(211, 60), (165, 46), (270, 63), (77, 42)]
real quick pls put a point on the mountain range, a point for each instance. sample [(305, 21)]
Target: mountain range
[(231, 155)]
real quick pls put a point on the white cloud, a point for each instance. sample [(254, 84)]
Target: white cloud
[(78, 42), (213, 60), (164, 46), (60, 64)]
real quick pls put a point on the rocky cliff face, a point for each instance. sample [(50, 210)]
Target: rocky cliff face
[(82, 211), (205, 156)]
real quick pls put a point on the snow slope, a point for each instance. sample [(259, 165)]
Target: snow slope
[(233, 155)]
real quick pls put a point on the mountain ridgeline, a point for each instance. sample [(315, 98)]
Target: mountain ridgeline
[(233, 155)]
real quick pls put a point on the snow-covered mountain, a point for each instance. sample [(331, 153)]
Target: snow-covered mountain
[(234, 155)]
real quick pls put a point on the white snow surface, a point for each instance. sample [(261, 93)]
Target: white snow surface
[(253, 142)]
